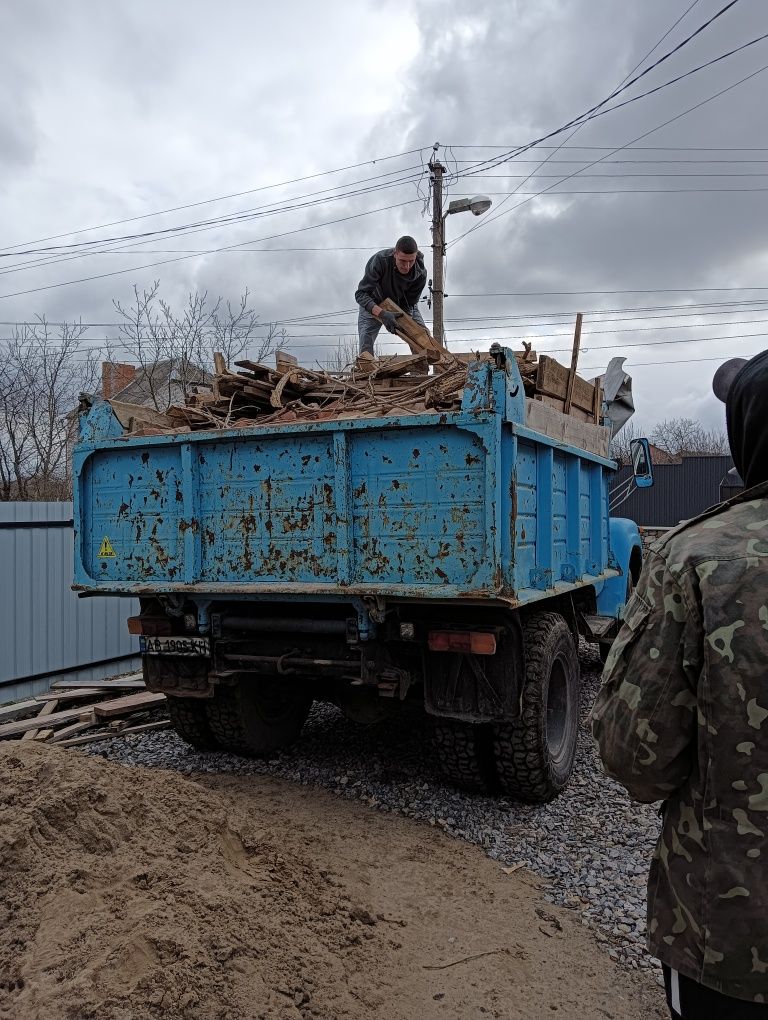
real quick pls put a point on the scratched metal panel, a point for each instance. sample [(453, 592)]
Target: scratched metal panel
[(44, 628), (134, 505), (561, 557), (525, 521), (267, 509), (419, 508)]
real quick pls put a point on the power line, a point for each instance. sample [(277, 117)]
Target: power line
[(187, 229), (597, 110), (613, 152), (285, 204), (208, 201), (165, 262)]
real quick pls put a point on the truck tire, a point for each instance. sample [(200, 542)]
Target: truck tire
[(465, 753), (535, 752), (259, 716), (190, 720)]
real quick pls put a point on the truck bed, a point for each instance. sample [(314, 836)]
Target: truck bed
[(472, 504)]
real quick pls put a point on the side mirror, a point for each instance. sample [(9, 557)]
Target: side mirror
[(642, 466)]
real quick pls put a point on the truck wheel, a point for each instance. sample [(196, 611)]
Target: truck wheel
[(258, 716), (535, 752), (465, 753), (190, 720)]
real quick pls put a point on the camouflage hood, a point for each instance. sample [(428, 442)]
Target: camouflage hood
[(745, 409), (682, 717)]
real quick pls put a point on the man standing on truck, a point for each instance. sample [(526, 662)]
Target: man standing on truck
[(682, 717), (398, 274)]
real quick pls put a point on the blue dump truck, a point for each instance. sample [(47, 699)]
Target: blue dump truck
[(448, 559)]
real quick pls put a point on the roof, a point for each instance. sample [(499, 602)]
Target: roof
[(162, 384)]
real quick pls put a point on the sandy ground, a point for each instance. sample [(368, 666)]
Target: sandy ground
[(130, 893)]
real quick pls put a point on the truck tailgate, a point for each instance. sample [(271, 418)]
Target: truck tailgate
[(346, 505)]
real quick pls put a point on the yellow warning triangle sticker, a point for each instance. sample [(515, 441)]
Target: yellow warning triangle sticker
[(106, 549)]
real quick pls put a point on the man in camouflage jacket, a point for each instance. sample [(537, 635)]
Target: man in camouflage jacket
[(682, 717)]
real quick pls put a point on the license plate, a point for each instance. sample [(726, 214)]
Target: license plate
[(175, 645)]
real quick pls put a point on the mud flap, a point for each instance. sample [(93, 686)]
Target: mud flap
[(477, 688)]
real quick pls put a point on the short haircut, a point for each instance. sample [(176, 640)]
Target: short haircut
[(407, 245)]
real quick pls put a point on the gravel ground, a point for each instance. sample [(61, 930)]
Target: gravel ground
[(591, 844)]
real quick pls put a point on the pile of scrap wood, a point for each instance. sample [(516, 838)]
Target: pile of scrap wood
[(77, 712), (430, 378)]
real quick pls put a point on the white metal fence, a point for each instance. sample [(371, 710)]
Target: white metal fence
[(46, 631)]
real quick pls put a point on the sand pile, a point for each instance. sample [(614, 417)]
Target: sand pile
[(129, 894)]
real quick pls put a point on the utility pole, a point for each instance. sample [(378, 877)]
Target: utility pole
[(436, 171)]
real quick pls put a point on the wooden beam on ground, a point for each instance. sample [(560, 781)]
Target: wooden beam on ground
[(78, 694), (89, 738), (71, 731), (130, 703), (134, 681), (48, 709), (18, 710), (15, 729)]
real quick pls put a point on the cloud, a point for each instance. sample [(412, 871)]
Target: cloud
[(112, 112)]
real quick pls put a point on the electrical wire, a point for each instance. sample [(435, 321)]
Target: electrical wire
[(215, 251), (577, 128), (208, 201), (645, 134)]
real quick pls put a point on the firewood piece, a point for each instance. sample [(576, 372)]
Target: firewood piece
[(219, 363), (133, 416), (402, 364), (259, 370), (285, 362), (418, 338)]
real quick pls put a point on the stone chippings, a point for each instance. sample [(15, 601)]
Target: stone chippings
[(591, 845)]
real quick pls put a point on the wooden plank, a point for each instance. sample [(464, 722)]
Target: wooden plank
[(552, 381), (402, 364), (418, 338), (598, 401), (82, 692), (18, 710), (566, 429), (130, 682), (285, 363), (262, 371), (89, 738), (14, 729), (49, 708), (70, 731), (131, 415), (574, 363), (130, 703), (219, 363), (44, 734)]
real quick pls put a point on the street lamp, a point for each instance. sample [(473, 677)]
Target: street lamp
[(477, 205)]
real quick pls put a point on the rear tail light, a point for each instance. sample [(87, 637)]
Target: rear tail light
[(152, 626), (475, 641)]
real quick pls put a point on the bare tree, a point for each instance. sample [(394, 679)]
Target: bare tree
[(681, 436), (42, 374), (174, 349), (619, 448), (343, 357)]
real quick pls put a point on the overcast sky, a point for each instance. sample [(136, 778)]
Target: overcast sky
[(112, 111)]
